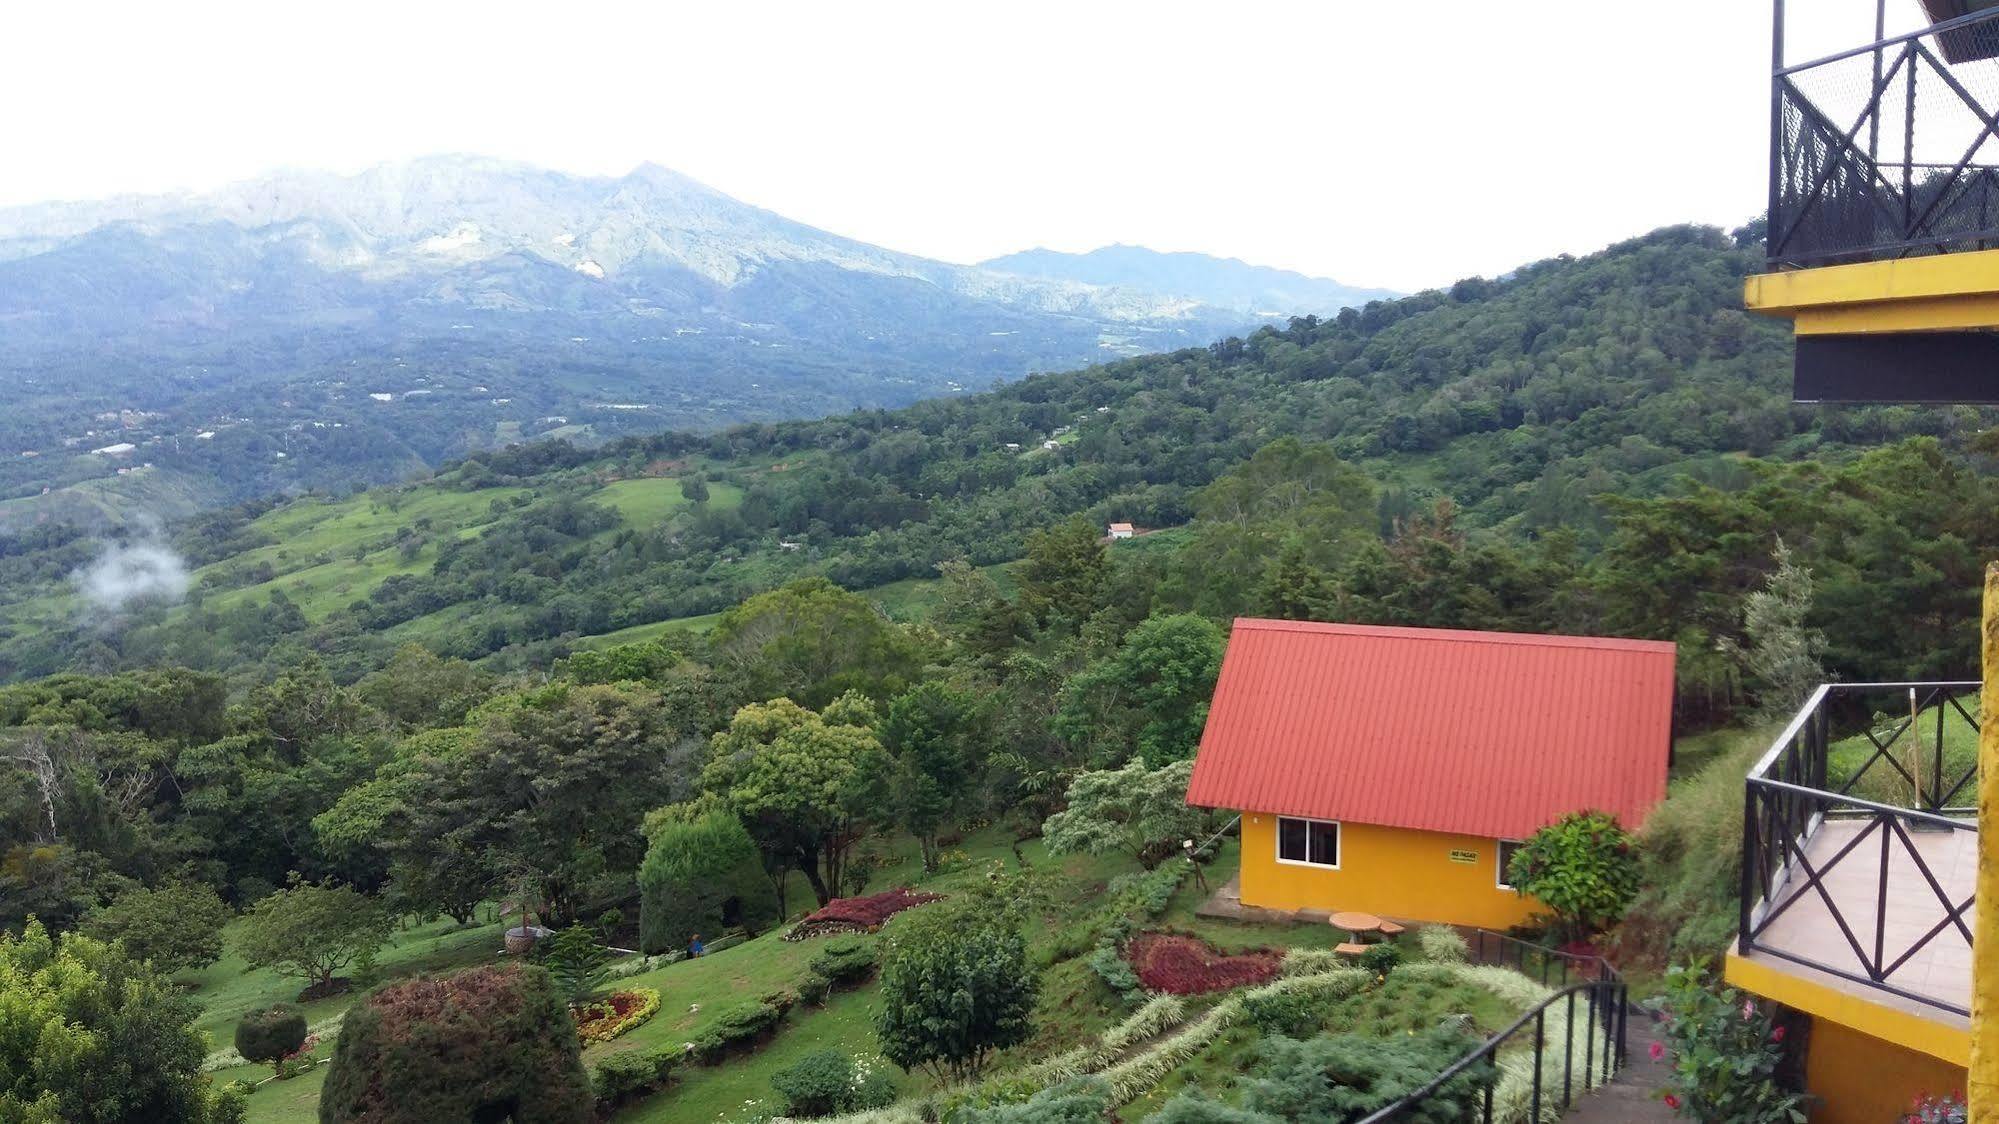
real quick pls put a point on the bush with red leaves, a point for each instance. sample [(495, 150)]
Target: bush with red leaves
[(859, 915), (1183, 965)]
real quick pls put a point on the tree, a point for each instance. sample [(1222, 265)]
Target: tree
[(694, 488), (488, 1044), (927, 733), (1583, 866), (173, 927), (1784, 653), (576, 963), (553, 784), (311, 931), (702, 874), (419, 689), (1133, 810), (812, 641), (955, 987), (800, 780), (1150, 698), (90, 1036), (271, 1035), (1291, 500), (1062, 577)]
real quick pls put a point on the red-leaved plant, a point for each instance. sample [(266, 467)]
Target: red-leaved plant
[(1183, 965), (1946, 1109)]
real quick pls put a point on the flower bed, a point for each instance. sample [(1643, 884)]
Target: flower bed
[(1183, 965), (601, 1020), (858, 915)]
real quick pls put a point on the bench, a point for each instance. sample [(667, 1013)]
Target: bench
[(1391, 929), (1351, 949)]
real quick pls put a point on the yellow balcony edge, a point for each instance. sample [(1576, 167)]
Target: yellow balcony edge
[(1937, 1039), (1903, 279), (1928, 314)]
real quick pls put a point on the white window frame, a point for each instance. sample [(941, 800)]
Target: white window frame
[(1499, 862), (1339, 843)]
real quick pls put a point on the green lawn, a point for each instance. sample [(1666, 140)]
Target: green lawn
[(648, 502)]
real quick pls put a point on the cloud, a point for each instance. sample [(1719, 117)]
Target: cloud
[(130, 572)]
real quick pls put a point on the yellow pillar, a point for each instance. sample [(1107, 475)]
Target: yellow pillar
[(1983, 1084)]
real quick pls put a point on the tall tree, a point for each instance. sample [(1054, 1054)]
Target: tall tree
[(927, 733), (801, 780), (1149, 698)]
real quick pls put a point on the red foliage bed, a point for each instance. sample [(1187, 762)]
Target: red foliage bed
[(1183, 965), (859, 915)]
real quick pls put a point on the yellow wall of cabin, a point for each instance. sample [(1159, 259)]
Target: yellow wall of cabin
[(1861, 1079), (1389, 871)]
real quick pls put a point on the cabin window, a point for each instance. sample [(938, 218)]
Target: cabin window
[(1507, 847), (1308, 842)]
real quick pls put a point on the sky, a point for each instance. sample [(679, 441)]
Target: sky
[(1388, 144)]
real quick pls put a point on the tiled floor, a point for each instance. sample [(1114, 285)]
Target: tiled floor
[(1941, 969)]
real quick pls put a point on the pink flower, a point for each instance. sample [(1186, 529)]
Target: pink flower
[(1658, 1050), (1748, 1008), (1777, 1034), (1672, 1101)]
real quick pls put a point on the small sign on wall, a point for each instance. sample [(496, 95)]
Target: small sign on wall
[(1466, 857)]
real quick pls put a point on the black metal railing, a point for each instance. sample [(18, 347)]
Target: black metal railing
[(1887, 150), (1879, 893), (1564, 1061)]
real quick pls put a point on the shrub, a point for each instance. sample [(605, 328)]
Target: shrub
[(829, 1081), (1291, 1014), (1183, 965), (814, 988), (955, 986), (174, 927), (1947, 1109), (1381, 959), (846, 961), (701, 873), (1583, 866), (737, 1025), (271, 1034), (1725, 1053), (1311, 961), (1075, 1102), (622, 1078), (859, 915), (1346, 1077), (484, 1044), (1441, 944)]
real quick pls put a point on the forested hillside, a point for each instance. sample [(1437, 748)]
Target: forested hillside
[(624, 690), (1602, 445)]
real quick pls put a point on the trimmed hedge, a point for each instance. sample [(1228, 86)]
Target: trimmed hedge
[(268, 1035), (847, 961), (743, 1024), (488, 1043), (702, 875), (623, 1078)]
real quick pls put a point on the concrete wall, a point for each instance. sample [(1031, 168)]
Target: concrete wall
[(1389, 871)]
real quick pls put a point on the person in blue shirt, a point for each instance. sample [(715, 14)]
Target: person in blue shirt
[(694, 945)]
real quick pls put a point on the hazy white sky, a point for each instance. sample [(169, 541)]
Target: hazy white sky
[(1385, 143)]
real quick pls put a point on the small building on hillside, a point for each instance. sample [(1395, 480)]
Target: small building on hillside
[(1393, 771), (1122, 530)]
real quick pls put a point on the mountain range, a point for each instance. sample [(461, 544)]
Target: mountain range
[(1216, 282), (309, 329)]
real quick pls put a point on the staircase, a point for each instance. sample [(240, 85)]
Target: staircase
[(1632, 1097)]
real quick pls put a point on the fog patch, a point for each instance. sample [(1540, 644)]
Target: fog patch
[(146, 570)]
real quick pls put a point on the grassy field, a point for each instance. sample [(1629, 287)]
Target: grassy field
[(1915, 751)]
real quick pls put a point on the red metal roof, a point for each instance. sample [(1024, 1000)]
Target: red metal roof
[(1483, 733)]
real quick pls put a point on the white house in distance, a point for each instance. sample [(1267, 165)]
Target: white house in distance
[(1121, 530)]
